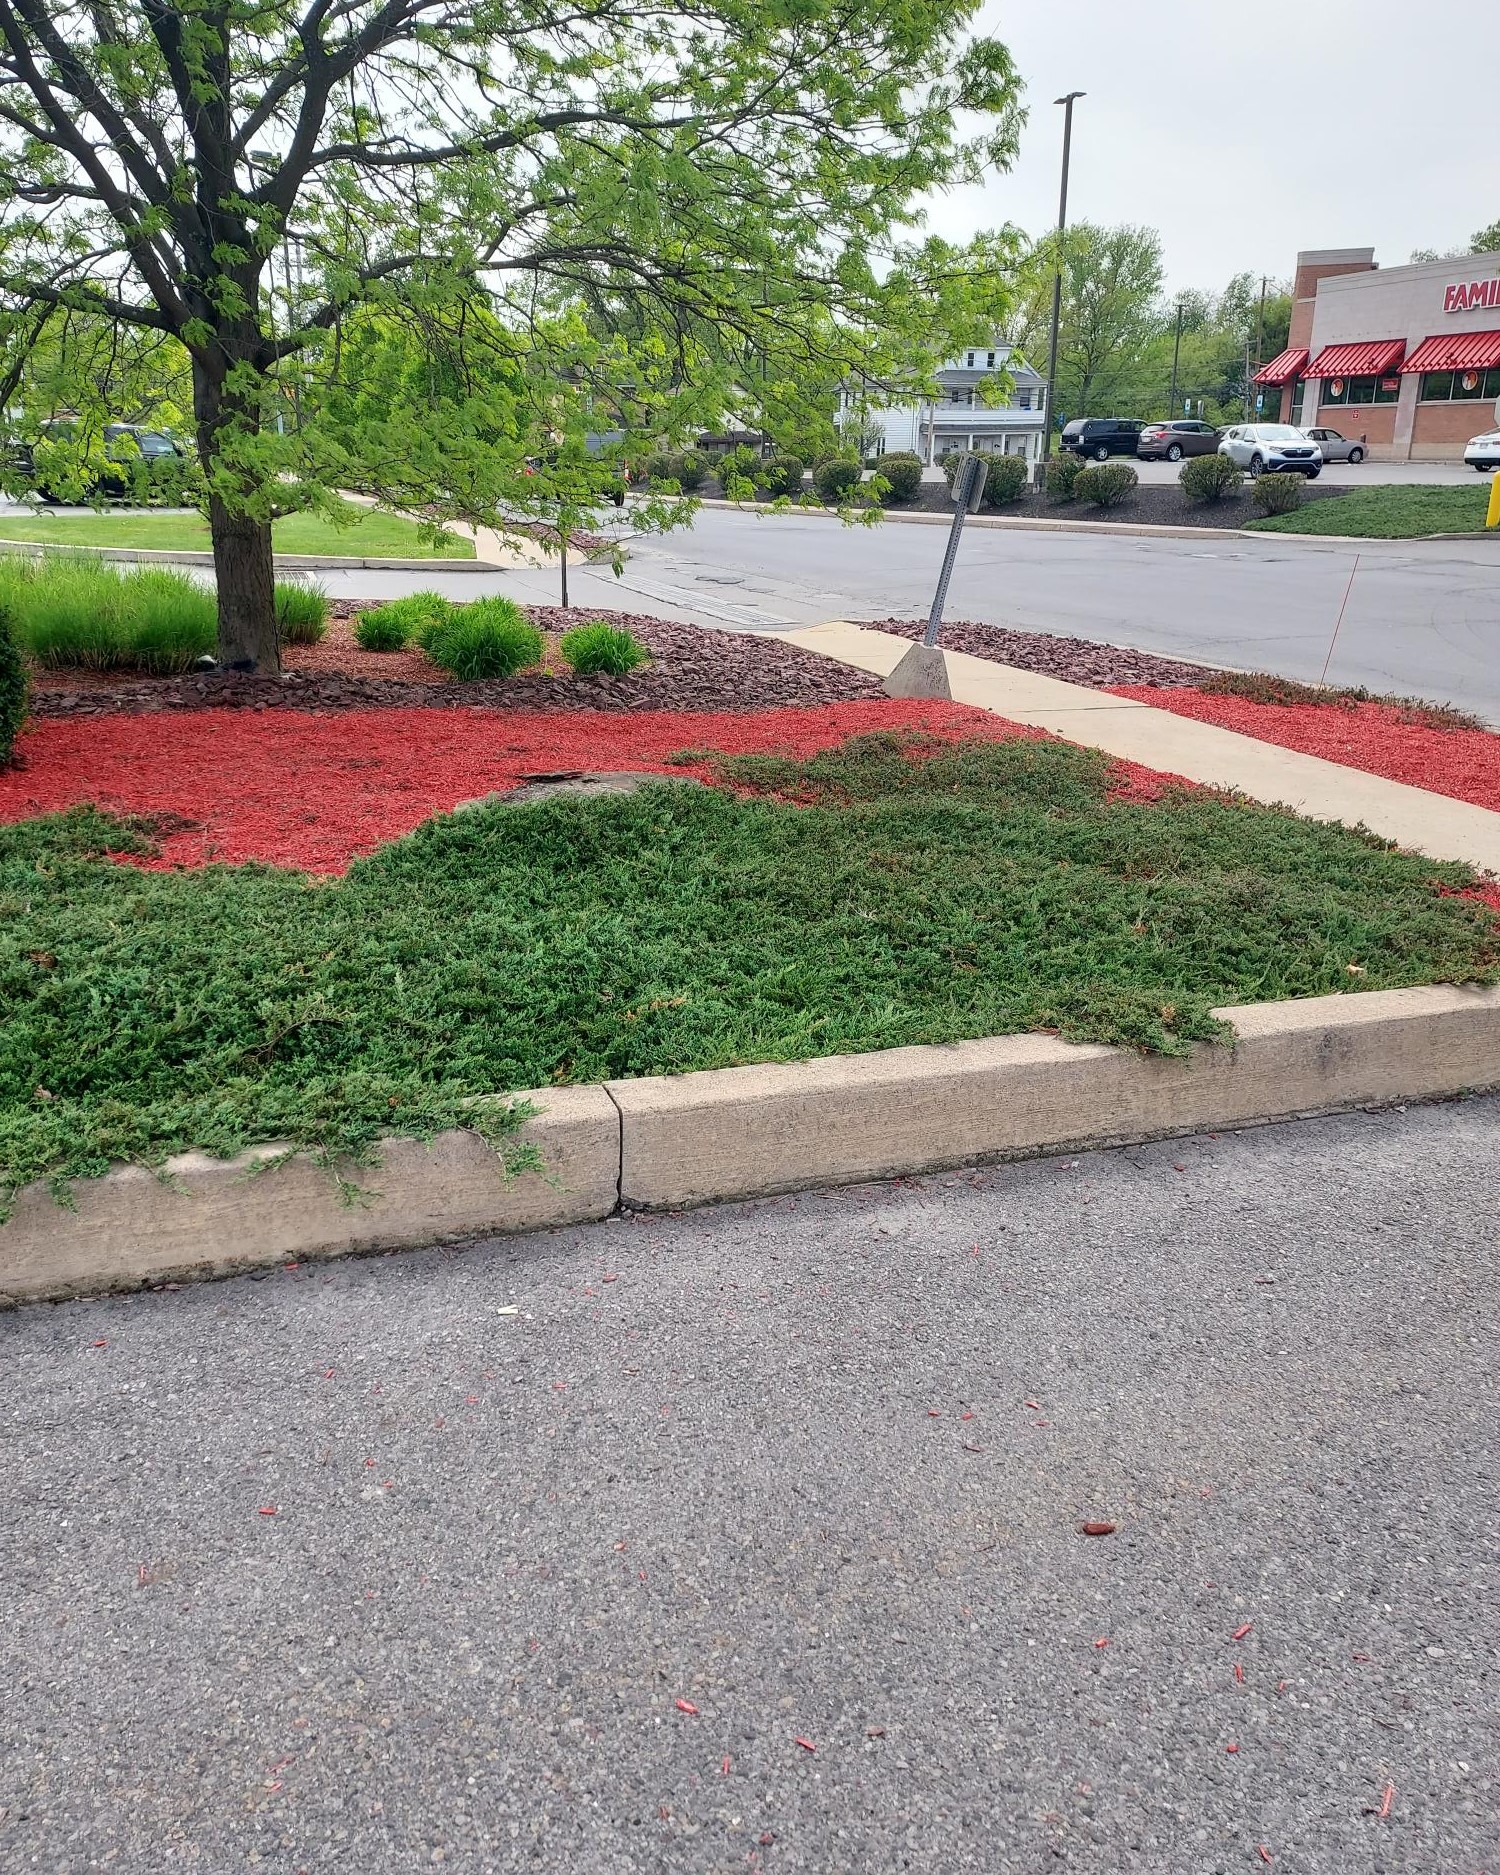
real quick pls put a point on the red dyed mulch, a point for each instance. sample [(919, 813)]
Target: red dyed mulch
[(1461, 763), (315, 791)]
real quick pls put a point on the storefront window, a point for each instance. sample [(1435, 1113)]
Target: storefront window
[(1460, 387), (1361, 390)]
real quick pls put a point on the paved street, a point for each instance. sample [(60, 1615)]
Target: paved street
[(749, 1539), (1423, 618)]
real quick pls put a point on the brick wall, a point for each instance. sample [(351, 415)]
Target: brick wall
[(1373, 423), (1441, 430)]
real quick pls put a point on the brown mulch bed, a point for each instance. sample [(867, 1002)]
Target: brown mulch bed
[(1075, 660), (692, 668)]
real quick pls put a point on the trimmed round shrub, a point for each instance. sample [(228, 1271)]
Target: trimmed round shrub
[(690, 471), (301, 613), (948, 462), (1210, 478), (1061, 480), (600, 646), (742, 461), (1005, 479), (488, 638), (903, 471), (837, 477), (1279, 494), (658, 466), (782, 475), (1105, 484), (15, 686)]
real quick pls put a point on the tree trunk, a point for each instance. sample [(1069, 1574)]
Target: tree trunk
[(244, 571), (245, 575)]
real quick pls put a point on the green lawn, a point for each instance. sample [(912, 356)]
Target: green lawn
[(1388, 513), (372, 535), (987, 888)]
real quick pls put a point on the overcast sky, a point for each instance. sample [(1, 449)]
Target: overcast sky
[(1243, 133)]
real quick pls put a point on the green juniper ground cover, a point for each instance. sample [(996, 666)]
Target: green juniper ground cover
[(889, 892)]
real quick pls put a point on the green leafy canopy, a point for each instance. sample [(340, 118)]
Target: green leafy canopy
[(467, 259)]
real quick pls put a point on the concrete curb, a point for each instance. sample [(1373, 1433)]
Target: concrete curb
[(300, 562), (673, 1141), (214, 1217)]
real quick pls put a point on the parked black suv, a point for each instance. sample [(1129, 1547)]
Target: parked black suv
[(138, 462), (1101, 437)]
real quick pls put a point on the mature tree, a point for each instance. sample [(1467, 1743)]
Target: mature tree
[(1486, 240), (1111, 310), (699, 179)]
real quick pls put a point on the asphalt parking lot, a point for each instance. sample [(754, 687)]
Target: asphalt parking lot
[(752, 1539)]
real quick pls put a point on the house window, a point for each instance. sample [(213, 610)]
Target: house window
[(1361, 390), (990, 360), (970, 359), (1023, 400), (1441, 387)]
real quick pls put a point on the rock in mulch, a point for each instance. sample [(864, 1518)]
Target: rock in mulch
[(1074, 660), (692, 668)]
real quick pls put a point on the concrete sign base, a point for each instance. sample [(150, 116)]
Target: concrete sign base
[(923, 672)]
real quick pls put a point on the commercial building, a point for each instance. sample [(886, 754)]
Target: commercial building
[(1406, 358), (961, 415)]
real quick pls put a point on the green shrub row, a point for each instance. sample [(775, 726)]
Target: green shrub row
[(490, 637)]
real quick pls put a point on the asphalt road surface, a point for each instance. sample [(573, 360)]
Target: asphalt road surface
[(750, 1539), (1421, 619)]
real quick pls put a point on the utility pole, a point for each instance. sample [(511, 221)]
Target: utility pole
[(1260, 324), (1176, 350), (1062, 226)]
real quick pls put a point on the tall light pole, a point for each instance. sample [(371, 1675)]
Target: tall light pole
[(1062, 225)]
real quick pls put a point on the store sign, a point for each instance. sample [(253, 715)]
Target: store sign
[(1470, 296)]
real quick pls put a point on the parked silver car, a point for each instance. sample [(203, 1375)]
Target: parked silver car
[(1272, 448), (1338, 448)]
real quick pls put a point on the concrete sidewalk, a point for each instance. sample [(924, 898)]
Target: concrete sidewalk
[(1219, 758)]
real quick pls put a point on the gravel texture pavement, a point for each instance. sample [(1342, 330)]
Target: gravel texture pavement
[(692, 668), (750, 1539), (1074, 660)]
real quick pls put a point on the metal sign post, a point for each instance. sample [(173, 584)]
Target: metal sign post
[(923, 671), (968, 487)]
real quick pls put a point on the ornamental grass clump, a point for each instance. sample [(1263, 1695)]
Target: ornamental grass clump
[(489, 638), (15, 686), (601, 647), (392, 627), (83, 614), (301, 612)]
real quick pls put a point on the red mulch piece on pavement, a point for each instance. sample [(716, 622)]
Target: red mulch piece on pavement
[(1097, 1528)]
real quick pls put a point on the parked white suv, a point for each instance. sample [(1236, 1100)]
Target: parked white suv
[(1272, 448)]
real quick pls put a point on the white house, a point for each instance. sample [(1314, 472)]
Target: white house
[(960, 416)]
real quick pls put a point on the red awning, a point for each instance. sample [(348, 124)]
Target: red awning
[(1456, 351), (1370, 360), (1283, 368)]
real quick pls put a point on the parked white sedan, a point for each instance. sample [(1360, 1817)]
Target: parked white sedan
[(1483, 452), (1272, 448)]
